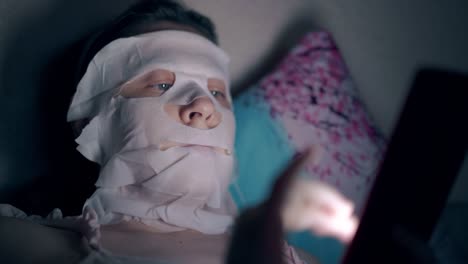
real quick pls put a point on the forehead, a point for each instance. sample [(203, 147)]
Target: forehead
[(182, 59), (126, 58), (176, 51), (159, 26)]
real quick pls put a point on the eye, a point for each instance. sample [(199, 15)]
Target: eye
[(217, 94), (162, 86), (218, 90), (151, 84)]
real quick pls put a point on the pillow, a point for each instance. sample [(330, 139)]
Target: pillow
[(308, 99)]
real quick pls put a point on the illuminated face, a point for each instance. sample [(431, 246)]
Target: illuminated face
[(201, 113), (186, 76), (162, 129), (196, 101)]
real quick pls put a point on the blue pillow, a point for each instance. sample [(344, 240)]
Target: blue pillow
[(257, 165), (262, 150), (309, 99)]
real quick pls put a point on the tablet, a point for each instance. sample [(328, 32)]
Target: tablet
[(422, 160)]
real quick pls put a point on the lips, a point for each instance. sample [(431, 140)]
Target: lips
[(200, 148)]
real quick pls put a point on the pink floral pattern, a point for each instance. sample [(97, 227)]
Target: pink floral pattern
[(313, 96)]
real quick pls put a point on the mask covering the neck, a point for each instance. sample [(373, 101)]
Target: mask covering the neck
[(182, 187)]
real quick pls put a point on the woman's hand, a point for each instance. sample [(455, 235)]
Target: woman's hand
[(292, 206), (313, 205)]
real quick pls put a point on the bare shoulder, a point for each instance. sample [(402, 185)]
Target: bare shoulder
[(26, 242)]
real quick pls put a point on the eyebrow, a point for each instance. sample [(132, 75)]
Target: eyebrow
[(217, 82), (150, 76)]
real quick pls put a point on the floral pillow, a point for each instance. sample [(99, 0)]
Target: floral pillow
[(308, 99)]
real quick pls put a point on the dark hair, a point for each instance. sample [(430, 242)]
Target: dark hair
[(139, 19)]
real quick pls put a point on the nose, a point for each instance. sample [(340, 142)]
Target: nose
[(200, 113)]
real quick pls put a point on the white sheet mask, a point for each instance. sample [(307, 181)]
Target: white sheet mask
[(173, 189)]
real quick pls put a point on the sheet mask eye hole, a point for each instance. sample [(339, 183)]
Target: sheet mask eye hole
[(218, 89), (162, 86), (151, 84), (217, 94)]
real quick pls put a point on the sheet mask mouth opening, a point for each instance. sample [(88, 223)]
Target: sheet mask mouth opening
[(203, 148)]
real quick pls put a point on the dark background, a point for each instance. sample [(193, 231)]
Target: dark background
[(383, 43)]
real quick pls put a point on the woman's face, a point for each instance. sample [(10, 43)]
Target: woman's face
[(162, 130), (169, 88), (201, 113)]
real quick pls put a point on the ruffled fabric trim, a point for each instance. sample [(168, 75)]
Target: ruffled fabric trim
[(87, 224)]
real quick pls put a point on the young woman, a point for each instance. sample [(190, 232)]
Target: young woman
[(154, 110)]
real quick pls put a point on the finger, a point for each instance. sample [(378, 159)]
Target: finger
[(283, 183), (325, 196), (315, 155), (345, 228), (310, 193), (341, 228)]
